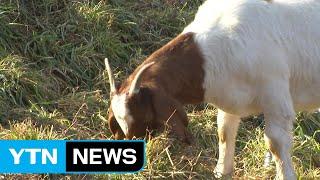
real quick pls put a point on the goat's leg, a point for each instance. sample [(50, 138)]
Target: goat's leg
[(279, 117), (279, 140), (267, 159), (227, 130)]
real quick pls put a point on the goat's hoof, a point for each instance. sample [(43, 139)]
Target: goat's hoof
[(219, 175), (267, 159), (286, 177)]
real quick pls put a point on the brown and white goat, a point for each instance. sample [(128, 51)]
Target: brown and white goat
[(244, 56)]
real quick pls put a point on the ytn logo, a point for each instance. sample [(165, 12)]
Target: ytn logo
[(60, 156), (32, 153)]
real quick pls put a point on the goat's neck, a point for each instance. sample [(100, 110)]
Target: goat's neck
[(178, 70)]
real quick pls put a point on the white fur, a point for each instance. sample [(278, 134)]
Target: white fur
[(121, 112), (261, 57), (246, 42)]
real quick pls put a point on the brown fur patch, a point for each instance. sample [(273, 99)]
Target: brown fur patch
[(178, 70), (142, 111), (174, 80)]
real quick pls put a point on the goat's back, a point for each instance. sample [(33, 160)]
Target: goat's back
[(249, 41)]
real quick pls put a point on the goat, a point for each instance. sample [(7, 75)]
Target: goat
[(244, 56)]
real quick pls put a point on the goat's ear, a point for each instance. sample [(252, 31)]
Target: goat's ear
[(114, 127), (171, 114)]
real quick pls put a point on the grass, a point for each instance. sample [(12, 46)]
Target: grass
[(52, 85)]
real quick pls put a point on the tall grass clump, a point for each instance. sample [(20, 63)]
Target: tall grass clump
[(53, 86)]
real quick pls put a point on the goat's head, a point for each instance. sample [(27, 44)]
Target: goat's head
[(131, 112), (136, 110)]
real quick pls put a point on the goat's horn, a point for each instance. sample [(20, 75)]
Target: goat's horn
[(111, 77), (135, 85)]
